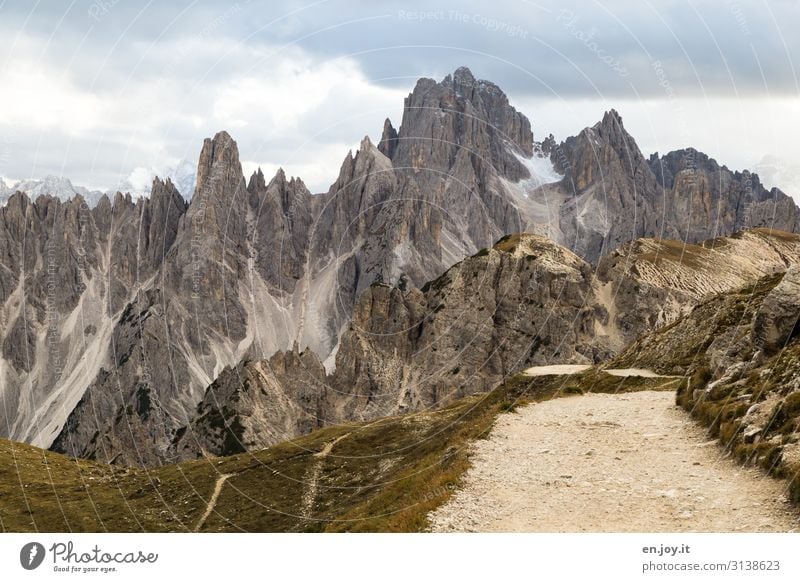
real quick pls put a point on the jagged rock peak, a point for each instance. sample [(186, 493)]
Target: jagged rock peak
[(165, 192), (160, 185), (464, 75), (608, 132), (464, 84), (611, 118), (104, 203), (366, 144), (441, 118), (610, 128), (388, 142), (282, 183), (367, 152), (257, 181), (121, 200), (220, 151)]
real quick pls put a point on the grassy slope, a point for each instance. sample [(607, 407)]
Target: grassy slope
[(379, 476), (387, 475)]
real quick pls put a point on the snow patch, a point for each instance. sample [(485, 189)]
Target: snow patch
[(542, 172), (183, 175), (330, 362), (539, 198), (59, 187)]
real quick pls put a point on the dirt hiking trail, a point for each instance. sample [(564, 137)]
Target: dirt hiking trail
[(630, 462), (212, 502)]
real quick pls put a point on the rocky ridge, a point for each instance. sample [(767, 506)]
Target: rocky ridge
[(156, 297), (524, 302), (614, 194)]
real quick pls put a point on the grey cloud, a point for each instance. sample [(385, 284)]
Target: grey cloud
[(396, 40), (189, 50)]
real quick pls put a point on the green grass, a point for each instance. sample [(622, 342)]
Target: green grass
[(385, 475), (381, 476), (43, 491)]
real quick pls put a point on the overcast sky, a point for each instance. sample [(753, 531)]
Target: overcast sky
[(102, 90)]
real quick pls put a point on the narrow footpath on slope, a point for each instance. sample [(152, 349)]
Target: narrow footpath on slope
[(212, 502), (628, 462)]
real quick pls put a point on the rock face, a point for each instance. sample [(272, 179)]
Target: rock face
[(776, 322), (68, 271), (524, 302), (648, 283), (134, 308), (257, 404), (613, 194)]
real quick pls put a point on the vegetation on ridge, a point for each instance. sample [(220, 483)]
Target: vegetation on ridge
[(385, 475)]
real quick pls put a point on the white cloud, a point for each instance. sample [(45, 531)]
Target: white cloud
[(140, 179), (38, 97), (318, 171), (282, 105), (778, 171)]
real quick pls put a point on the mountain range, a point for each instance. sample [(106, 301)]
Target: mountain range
[(182, 174), (55, 186), (443, 259)]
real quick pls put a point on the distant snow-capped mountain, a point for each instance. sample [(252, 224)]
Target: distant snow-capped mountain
[(57, 186), (5, 191), (138, 184), (182, 174)]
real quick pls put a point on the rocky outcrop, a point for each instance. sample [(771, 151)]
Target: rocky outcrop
[(649, 283), (257, 404), (523, 302), (776, 322)]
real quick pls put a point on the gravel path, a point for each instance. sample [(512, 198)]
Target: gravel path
[(556, 370), (610, 463)]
